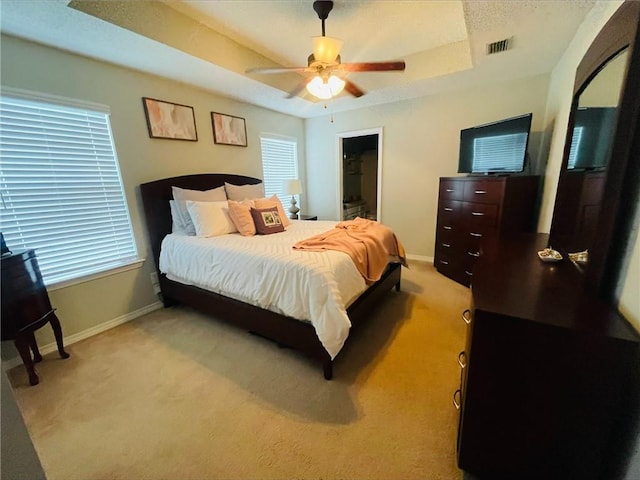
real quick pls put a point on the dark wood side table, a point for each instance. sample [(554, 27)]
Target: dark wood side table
[(26, 307), (308, 217)]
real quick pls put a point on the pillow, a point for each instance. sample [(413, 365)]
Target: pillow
[(177, 225), (181, 195), (238, 193), (210, 219), (240, 213), (273, 201), (267, 220)]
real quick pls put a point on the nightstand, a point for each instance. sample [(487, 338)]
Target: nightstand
[(307, 217)]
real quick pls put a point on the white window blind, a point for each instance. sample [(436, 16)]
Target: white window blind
[(509, 149), (61, 190), (575, 146), (279, 164)]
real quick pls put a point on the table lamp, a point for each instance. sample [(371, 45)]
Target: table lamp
[(293, 187)]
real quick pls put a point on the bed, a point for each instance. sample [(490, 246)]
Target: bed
[(285, 330)]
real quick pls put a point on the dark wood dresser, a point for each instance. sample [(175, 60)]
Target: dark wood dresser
[(474, 209), (26, 307), (546, 372)]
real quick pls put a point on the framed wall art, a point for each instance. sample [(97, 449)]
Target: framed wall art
[(170, 120), (229, 130)]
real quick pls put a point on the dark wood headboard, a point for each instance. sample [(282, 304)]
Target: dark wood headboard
[(156, 196)]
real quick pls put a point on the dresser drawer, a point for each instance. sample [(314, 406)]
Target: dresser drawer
[(480, 214), (451, 241), (449, 211), (451, 189), (483, 191)]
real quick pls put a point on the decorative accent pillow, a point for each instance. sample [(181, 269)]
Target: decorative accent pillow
[(177, 225), (267, 220), (210, 218), (181, 195), (238, 193), (273, 201), (240, 213)]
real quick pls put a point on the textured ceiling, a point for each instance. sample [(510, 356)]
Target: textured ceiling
[(211, 43)]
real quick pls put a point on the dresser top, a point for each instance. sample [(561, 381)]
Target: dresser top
[(509, 279)]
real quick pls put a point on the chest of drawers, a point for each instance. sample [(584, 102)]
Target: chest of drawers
[(474, 209)]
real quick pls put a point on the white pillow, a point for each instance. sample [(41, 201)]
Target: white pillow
[(177, 224), (238, 193), (181, 195), (211, 218)]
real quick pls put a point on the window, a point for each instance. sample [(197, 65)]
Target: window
[(60, 186), (279, 164)]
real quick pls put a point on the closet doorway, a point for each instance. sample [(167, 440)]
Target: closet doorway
[(360, 167)]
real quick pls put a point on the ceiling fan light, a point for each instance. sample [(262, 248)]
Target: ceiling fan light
[(326, 49), (324, 90)]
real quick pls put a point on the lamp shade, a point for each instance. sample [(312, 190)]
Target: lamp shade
[(293, 187), (325, 88), (326, 49)]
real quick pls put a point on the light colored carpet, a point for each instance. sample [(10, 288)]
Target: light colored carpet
[(178, 395)]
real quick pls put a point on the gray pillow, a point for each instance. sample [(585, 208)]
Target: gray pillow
[(237, 193), (181, 195)]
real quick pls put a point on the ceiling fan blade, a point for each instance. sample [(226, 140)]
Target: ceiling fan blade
[(277, 70), (373, 66), (299, 88), (352, 88)]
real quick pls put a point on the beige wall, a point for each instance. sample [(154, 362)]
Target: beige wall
[(420, 144), (25, 65)]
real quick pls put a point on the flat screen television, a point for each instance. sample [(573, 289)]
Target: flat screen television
[(498, 147), (592, 135)]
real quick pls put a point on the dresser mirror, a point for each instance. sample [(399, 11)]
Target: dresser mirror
[(597, 195), (581, 184)]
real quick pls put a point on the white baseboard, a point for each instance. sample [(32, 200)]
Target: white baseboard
[(420, 258), (90, 332)]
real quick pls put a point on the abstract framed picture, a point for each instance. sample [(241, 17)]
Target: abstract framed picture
[(170, 120), (229, 130)]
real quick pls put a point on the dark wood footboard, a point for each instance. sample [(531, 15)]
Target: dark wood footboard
[(279, 328)]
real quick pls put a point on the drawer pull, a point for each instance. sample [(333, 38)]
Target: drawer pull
[(480, 192), (474, 254), (446, 227), (446, 245), (462, 359), (473, 234), (469, 273), (444, 262), (477, 214), (449, 190), (467, 319), (448, 209), (456, 398)]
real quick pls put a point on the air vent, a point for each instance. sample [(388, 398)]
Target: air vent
[(499, 46)]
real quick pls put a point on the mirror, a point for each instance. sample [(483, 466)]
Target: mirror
[(594, 213), (581, 184)]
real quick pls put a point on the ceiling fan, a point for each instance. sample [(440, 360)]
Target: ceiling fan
[(327, 79)]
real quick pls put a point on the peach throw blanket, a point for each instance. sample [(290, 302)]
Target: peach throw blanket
[(368, 243)]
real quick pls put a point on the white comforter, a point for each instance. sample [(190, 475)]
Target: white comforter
[(265, 271)]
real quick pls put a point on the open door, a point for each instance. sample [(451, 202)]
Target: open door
[(360, 167)]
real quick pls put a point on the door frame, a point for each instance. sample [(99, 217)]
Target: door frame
[(340, 156)]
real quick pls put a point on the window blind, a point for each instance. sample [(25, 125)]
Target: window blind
[(509, 149), (61, 189), (279, 164), (575, 146)]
